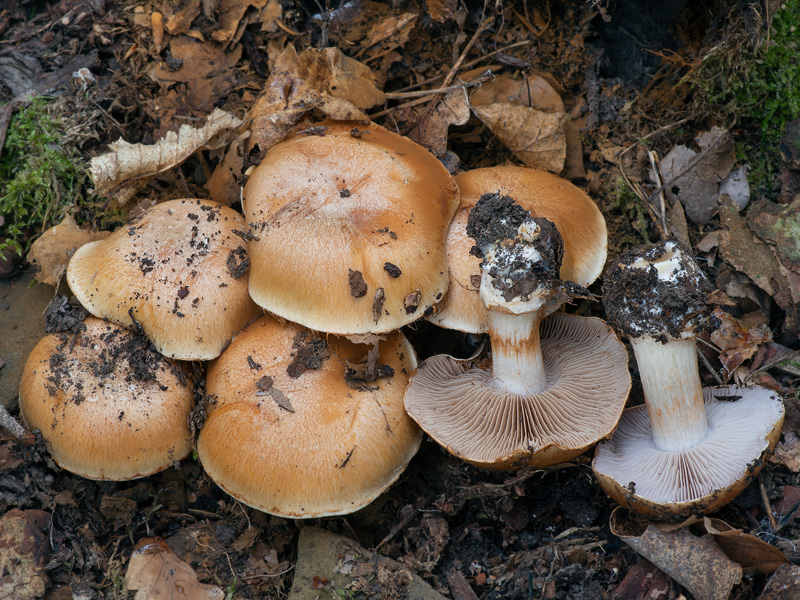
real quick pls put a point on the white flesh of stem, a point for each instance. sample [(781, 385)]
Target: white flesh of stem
[(517, 364), (672, 391)]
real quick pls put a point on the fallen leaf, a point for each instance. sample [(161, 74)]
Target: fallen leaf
[(431, 132), (779, 224), (157, 574), (745, 252), (538, 93), (787, 507), (787, 451), (693, 178), (126, 164), (696, 563), (23, 554), (179, 20), (644, 581), (783, 585), (441, 11), (738, 338), (339, 86), (537, 138), (399, 26), (207, 70), (750, 552), (223, 185), (230, 14), (52, 251)]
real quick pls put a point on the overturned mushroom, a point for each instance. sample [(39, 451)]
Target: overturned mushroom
[(298, 428), (543, 401), (688, 449)]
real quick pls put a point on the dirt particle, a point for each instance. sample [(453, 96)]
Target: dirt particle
[(358, 287), (411, 302), (310, 353), (237, 262), (377, 304), (265, 383), (344, 193), (183, 292), (393, 270), (62, 317), (253, 364)]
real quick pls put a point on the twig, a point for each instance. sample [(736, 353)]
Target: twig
[(660, 130), (708, 366), (772, 363), (772, 523), (662, 197), (427, 93), (10, 423), (644, 198)]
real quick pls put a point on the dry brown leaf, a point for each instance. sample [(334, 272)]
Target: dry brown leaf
[(442, 11), (339, 86), (743, 548), (745, 252), (157, 574), (537, 94), (23, 554), (207, 70), (535, 137), (697, 563), (787, 452), (738, 338), (399, 26), (431, 133), (230, 13), (693, 178), (128, 164), (783, 585), (179, 18), (223, 185), (52, 251)]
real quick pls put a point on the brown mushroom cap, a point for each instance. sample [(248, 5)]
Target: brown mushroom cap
[(108, 406), (744, 425), (576, 216), (290, 434), (588, 383), (179, 270), (349, 231)]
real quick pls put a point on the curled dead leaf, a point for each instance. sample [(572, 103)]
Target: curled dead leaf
[(127, 165)]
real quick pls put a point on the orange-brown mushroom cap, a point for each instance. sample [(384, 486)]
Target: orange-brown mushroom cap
[(349, 230), (108, 406), (291, 432), (577, 218), (744, 425), (179, 270), (458, 405)]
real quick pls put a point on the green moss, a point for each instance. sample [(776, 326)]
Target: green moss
[(41, 178), (755, 81)]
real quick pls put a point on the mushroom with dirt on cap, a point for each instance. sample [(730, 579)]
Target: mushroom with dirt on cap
[(298, 426), (107, 404), (688, 450), (543, 401), (348, 229), (178, 273)]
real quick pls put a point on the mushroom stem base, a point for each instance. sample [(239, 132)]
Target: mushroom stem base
[(672, 391), (517, 364)]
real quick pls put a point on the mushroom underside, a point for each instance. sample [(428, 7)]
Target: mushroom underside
[(460, 406), (743, 424)]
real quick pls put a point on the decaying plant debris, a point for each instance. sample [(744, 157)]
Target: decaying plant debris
[(165, 100)]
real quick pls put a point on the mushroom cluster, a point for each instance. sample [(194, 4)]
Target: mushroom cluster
[(344, 234)]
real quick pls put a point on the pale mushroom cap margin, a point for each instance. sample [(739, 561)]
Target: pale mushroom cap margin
[(109, 426), (670, 485), (338, 449), (576, 216), (588, 384), (179, 268), (349, 232)]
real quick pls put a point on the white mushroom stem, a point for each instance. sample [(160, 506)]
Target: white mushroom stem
[(672, 391), (517, 365)]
